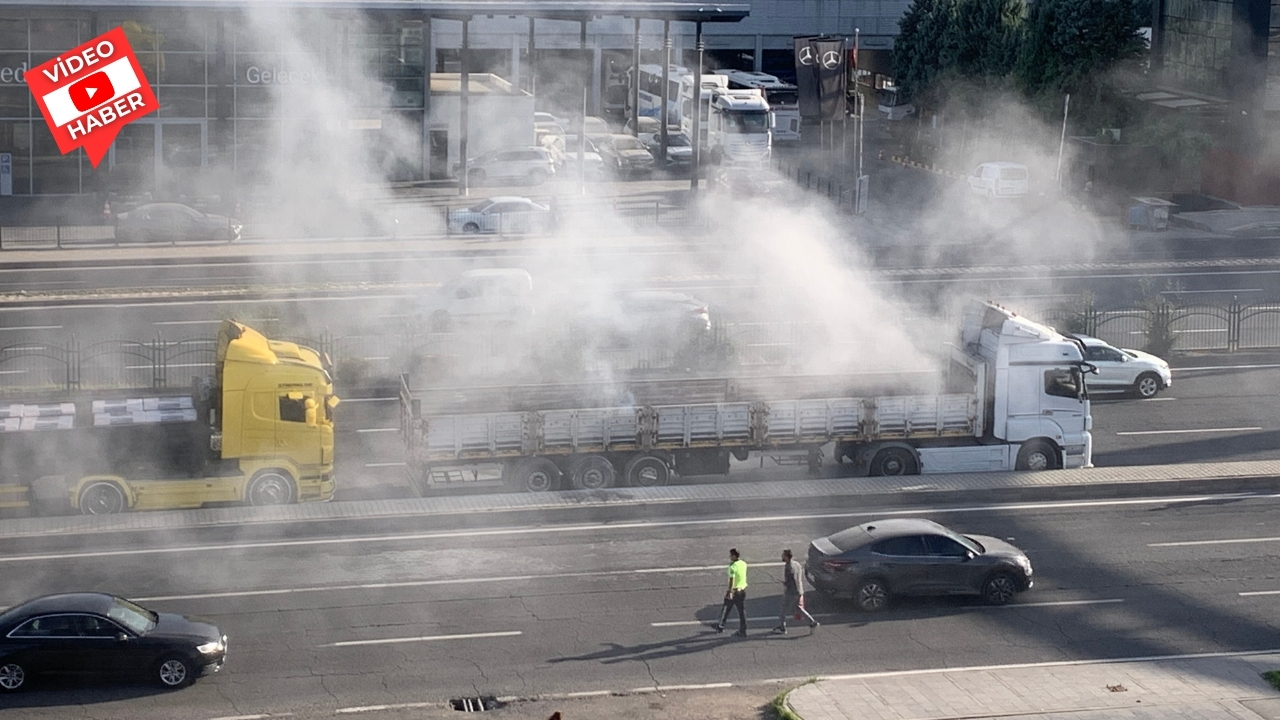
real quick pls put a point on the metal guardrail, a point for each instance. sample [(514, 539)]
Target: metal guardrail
[(377, 358)]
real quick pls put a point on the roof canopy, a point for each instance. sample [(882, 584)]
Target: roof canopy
[(575, 10)]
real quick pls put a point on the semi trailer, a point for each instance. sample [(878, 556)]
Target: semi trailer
[(1011, 396)]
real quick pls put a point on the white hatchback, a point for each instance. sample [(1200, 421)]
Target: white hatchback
[(533, 165), (1130, 371), (999, 180)]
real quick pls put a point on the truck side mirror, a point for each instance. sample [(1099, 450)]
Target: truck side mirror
[(773, 121)]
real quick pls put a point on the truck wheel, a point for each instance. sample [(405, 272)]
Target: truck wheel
[(647, 471), (894, 462), (102, 498), (1037, 455), (534, 475), (593, 472), (270, 487)]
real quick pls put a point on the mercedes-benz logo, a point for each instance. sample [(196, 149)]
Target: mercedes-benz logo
[(806, 55), (830, 59)]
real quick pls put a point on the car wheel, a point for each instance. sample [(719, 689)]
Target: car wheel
[(1147, 386), (13, 677), (470, 229), (593, 473), (999, 589), (647, 471), (1037, 455), (534, 475), (871, 595), (537, 176), (102, 498), (270, 487), (893, 462), (173, 672)]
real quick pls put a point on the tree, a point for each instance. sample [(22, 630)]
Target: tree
[(1068, 45), (917, 56)]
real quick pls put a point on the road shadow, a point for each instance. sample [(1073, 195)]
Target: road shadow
[(1220, 447), (65, 691)]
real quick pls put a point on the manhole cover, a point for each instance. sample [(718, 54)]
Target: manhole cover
[(475, 704)]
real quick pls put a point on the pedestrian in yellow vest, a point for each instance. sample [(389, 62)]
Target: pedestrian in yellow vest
[(735, 595)]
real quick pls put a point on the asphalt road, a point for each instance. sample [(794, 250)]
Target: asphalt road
[(331, 618)]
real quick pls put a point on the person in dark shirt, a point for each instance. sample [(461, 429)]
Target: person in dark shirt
[(792, 594)]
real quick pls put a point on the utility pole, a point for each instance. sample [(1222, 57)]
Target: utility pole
[(635, 83), (464, 103), (666, 89), (697, 118), (1062, 140)]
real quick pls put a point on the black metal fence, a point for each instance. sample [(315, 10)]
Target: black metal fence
[(1230, 328)]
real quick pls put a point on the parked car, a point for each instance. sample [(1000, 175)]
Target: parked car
[(649, 126), (99, 634), (171, 222), (1131, 371), (999, 180), (590, 157), (881, 559), (624, 155), (503, 215), (485, 295), (679, 149), (533, 165)]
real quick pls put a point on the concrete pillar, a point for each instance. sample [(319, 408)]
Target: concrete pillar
[(428, 65), (515, 61), (635, 82), (597, 77), (757, 60), (464, 107), (666, 90), (533, 65)]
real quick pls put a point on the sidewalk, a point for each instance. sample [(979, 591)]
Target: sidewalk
[(1211, 686)]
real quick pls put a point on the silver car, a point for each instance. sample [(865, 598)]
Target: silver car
[(1132, 371), (533, 165), (624, 155), (503, 216)]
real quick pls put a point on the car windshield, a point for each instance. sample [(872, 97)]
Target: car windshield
[(749, 122), (677, 141), (970, 543), (628, 143), (136, 618), (479, 207)]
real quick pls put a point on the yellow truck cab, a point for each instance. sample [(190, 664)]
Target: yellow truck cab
[(260, 431)]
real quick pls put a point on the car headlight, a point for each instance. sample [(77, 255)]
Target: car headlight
[(209, 648)]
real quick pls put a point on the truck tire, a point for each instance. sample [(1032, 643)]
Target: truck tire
[(270, 487), (1037, 455), (647, 471), (533, 475), (895, 461), (593, 472), (102, 498)]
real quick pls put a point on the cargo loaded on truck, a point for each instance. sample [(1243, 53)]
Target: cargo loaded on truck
[(1012, 397), (260, 431)]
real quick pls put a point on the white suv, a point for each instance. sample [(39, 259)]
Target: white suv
[(1132, 371), (533, 165)]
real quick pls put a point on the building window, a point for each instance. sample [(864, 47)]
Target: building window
[(53, 172)]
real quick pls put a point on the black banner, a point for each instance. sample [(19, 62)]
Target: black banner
[(807, 78), (830, 65)]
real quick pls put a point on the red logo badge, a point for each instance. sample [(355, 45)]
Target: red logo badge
[(88, 93)]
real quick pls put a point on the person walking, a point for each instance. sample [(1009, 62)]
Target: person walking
[(792, 594), (736, 594)]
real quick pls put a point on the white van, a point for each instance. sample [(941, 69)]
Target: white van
[(999, 179), (497, 295)]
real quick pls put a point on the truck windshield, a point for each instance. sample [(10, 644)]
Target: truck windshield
[(782, 98), (747, 122)]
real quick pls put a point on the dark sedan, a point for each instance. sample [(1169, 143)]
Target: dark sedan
[(99, 634), (172, 222), (879, 559)]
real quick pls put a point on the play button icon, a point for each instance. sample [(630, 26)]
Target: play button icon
[(91, 91)]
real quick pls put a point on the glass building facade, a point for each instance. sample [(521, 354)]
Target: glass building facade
[(235, 99)]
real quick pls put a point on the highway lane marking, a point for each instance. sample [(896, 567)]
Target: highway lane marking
[(636, 525), (1254, 593), (665, 688), (1230, 541), (425, 638), (386, 464), (381, 708), (1226, 367), (1050, 603), (1190, 292), (187, 322), (360, 400), (1159, 399), (172, 365), (259, 716), (429, 583), (33, 327), (1184, 432), (373, 430)]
